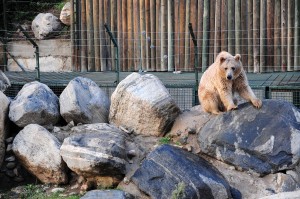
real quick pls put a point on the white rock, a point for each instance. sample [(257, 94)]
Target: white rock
[(35, 104), (96, 152), (45, 25), (38, 151), (82, 101), (65, 14), (3, 124), (142, 103)]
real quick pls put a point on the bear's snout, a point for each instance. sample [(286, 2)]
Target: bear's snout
[(229, 77)]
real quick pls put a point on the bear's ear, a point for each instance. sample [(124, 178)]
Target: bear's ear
[(222, 59), (237, 57)]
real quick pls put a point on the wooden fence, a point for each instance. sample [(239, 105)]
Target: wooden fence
[(153, 35)]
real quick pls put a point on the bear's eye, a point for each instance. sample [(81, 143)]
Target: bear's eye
[(233, 68), (226, 68)]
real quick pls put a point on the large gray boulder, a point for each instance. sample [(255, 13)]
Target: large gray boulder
[(107, 194), (38, 151), (45, 25), (82, 101), (143, 104), (97, 152), (170, 172), (35, 104), (265, 140), (3, 124), (65, 14)]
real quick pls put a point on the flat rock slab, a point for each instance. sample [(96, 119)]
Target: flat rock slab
[(107, 194), (97, 153), (82, 101), (143, 104), (265, 140), (170, 172), (35, 104), (38, 151)]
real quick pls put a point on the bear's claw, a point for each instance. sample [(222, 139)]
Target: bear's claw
[(257, 103)]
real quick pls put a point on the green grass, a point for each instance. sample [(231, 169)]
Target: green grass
[(179, 191), (165, 140), (35, 192)]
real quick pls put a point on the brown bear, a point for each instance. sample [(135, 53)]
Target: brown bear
[(221, 81)]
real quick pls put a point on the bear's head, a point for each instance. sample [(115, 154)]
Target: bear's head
[(229, 66)]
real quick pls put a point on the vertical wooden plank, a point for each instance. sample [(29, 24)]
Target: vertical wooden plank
[(158, 35), (193, 20), (102, 37), (297, 37), (277, 36), (177, 34), (205, 35), (263, 35), (237, 25), (211, 32), (244, 39), (148, 35), (217, 47), (283, 35), (113, 28), (231, 24), (83, 37), (224, 26), (181, 22), (187, 36), (199, 29), (90, 35), (137, 41), (96, 34), (107, 44), (256, 26), (290, 35), (119, 32), (163, 37), (270, 36), (143, 35), (250, 67), (72, 28), (153, 35), (130, 35), (125, 31), (170, 35)]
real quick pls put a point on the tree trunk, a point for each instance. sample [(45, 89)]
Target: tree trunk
[(231, 35), (200, 32), (238, 26), (290, 35), (224, 26), (250, 36), (283, 35), (297, 36), (170, 35), (96, 35), (256, 25), (143, 35), (187, 36), (83, 37), (205, 35), (153, 35), (163, 37), (90, 35), (130, 35), (217, 47), (270, 36), (277, 36), (263, 35)]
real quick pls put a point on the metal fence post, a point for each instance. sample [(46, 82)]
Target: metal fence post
[(37, 53), (196, 101), (5, 35), (117, 52)]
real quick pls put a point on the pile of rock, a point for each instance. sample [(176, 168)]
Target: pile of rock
[(114, 143)]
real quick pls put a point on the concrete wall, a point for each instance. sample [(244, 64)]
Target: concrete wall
[(55, 55)]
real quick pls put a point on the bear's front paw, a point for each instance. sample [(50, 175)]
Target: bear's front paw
[(256, 103), (232, 107)]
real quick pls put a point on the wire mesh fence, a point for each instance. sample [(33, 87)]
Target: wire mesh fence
[(185, 96)]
